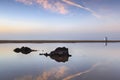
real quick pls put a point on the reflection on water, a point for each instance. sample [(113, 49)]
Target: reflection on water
[(52, 74), (88, 62)]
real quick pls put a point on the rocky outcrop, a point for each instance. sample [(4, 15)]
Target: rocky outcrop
[(24, 50), (60, 54)]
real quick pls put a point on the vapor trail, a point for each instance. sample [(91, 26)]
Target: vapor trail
[(80, 73), (82, 7)]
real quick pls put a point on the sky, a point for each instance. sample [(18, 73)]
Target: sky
[(59, 19)]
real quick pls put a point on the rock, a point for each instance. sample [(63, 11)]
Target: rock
[(24, 50), (60, 54), (60, 51), (17, 50)]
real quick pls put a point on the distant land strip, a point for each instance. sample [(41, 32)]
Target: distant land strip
[(59, 41)]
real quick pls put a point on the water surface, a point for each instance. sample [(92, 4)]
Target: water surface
[(88, 62)]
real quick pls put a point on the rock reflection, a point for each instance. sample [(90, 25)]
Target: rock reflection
[(60, 54), (24, 50)]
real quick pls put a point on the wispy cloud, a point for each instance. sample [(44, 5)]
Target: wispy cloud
[(59, 6), (28, 2), (55, 5), (80, 73), (82, 7), (55, 73)]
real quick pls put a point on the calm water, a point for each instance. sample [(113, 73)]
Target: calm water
[(88, 62)]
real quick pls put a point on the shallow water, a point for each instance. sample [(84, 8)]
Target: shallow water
[(88, 62)]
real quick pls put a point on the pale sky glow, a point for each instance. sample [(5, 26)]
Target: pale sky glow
[(59, 19)]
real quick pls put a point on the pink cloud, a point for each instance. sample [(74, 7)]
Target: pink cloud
[(59, 6), (55, 5), (55, 73)]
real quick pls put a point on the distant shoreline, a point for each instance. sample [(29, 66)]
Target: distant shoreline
[(59, 41)]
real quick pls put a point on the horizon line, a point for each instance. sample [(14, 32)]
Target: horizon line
[(59, 41)]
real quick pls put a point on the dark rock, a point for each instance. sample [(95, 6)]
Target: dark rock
[(60, 54), (24, 50), (17, 50), (60, 51)]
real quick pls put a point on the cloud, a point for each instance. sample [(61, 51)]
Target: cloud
[(29, 2), (80, 73), (29, 77), (82, 7), (55, 73), (59, 6), (54, 5)]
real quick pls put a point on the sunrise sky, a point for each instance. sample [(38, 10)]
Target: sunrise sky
[(59, 19)]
